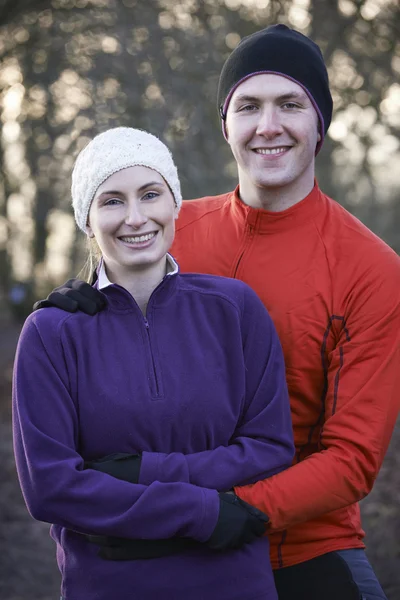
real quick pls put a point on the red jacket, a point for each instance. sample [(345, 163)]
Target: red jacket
[(333, 290)]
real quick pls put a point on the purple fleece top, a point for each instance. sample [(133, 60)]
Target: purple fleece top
[(198, 387)]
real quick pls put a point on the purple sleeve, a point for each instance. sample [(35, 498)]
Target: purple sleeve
[(55, 486), (263, 441)]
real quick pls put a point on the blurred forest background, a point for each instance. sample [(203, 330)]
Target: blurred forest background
[(72, 68)]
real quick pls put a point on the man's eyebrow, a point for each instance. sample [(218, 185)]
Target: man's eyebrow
[(293, 96), (142, 187), (245, 98), (282, 98)]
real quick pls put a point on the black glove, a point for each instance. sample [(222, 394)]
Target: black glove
[(73, 295), (238, 523), (119, 465)]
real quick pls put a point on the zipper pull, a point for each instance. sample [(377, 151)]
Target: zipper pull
[(146, 323)]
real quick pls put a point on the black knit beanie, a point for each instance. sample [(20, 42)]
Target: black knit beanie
[(279, 50)]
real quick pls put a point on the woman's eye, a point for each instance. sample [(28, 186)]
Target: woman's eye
[(150, 196), (112, 201)]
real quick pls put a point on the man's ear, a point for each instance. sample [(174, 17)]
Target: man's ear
[(318, 137)]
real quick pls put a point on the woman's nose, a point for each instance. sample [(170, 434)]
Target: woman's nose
[(135, 215)]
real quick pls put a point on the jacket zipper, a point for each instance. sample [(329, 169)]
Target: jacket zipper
[(237, 264), (155, 376), (249, 237)]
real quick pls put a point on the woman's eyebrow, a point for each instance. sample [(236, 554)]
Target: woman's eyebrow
[(140, 189), (108, 192), (150, 184)]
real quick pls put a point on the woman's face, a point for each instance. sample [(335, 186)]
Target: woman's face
[(132, 218)]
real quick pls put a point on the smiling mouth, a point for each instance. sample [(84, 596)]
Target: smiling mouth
[(137, 239), (271, 151)]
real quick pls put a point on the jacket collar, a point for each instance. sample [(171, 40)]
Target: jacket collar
[(266, 221), (118, 299)]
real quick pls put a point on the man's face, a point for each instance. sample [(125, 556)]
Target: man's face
[(272, 129)]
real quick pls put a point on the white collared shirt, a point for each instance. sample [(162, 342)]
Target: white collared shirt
[(103, 281)]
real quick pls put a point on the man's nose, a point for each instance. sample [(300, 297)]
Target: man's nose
[(269, 123)]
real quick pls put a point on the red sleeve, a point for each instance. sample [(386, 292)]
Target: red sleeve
[(361, 407)]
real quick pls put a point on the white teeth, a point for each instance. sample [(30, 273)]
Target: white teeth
[(270, 150), (137, 238)]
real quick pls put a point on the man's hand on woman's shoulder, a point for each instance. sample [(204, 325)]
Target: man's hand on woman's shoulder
[(74, 295)]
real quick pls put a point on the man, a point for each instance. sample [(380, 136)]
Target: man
[(333, 290)]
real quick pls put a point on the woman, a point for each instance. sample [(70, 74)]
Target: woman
[(131, 426)]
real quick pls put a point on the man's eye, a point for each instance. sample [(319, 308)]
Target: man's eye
[(247, 108), (290, 105)]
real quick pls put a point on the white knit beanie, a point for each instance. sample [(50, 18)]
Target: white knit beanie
[(112, 151)]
